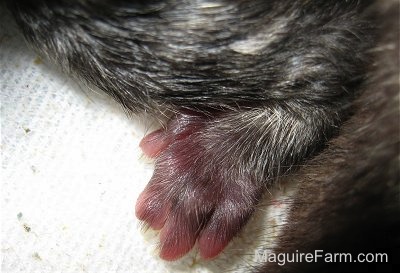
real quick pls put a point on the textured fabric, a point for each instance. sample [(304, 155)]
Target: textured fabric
[(71, 172)]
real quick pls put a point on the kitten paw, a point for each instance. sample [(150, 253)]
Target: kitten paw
[(195, 195)]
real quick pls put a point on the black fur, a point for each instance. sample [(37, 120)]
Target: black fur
[(253, 88), (349, 195)]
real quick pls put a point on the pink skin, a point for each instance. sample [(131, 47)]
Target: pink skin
[(187, 198), (154, 143)]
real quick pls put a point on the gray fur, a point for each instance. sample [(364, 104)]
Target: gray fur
[(256, 88)]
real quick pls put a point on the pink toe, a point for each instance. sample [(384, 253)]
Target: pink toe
[(150, 210), (211, 245), (176, 241), (154, 143)]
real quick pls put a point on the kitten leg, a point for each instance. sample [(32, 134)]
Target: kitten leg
[(210, 172)]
